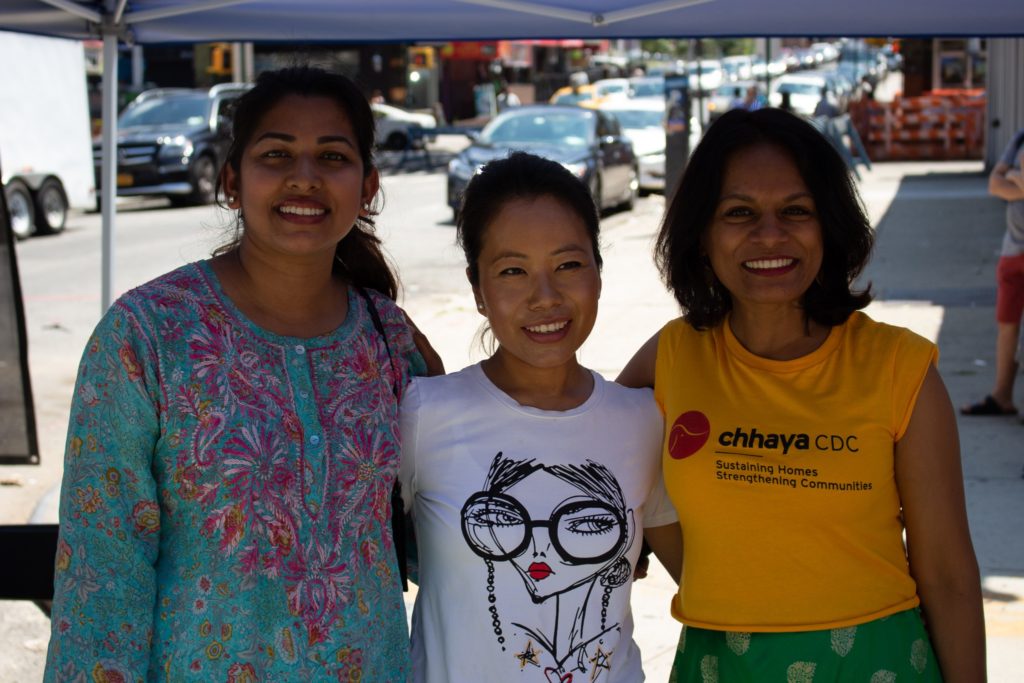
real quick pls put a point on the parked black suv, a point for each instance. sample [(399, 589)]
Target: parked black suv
[(171, 142)]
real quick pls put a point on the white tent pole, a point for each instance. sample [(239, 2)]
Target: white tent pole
[(648, 9), (75, 9), (108, 171), (593, 18), (533, 8), (118, 12), (182, 8)]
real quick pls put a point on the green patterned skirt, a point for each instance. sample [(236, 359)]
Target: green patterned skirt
[(893, 648)]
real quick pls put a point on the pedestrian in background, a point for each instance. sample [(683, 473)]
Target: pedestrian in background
[(752, 99), (532, 480), (1007, 182), (803, 438), (825, 107), (506, 98), (233, 439), (786, 103)]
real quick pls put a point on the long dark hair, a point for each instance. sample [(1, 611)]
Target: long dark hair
[(359, 258), (846, 232)]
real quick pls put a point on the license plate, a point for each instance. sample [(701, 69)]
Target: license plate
[(125, 179)]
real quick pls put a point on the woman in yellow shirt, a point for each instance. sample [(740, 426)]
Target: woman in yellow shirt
[(802, 438)]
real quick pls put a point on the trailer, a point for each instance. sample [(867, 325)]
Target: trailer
[(45, 136)]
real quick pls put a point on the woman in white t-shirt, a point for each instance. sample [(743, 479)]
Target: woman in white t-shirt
[(532, 481)]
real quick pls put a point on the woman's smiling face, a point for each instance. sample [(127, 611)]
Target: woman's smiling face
[(301, 183), (764, 242), (538, 282)]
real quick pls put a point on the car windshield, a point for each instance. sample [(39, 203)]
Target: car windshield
[(633, 118), (800, 88), (191, 110), (610, 88), (573, 98), (570, 128), (648, 89)]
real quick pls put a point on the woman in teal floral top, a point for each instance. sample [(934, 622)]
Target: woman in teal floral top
[(233, 439)]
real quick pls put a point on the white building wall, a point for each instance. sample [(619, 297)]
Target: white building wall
[(1005, 92)]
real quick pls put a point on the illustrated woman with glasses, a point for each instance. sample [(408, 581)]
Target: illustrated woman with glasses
[(531, 480), (580, 538)]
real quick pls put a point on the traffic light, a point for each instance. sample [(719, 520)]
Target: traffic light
[(220, 59), (421, 57)]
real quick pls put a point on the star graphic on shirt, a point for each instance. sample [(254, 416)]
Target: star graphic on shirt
[(528, 656), (600, 660)]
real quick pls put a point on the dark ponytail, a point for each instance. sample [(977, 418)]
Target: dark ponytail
[(359, 260)]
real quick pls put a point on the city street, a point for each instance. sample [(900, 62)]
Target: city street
[(928, 274)]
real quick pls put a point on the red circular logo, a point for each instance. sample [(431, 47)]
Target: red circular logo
[(689, 433)]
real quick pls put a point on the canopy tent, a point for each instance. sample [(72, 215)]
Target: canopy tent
[(189, 21), (162, 21), (186, 21)]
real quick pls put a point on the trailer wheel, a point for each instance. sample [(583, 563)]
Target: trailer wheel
[(19, 204), (51, 207)]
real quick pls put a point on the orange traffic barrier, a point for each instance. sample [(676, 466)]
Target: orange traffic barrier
[(940, 125)]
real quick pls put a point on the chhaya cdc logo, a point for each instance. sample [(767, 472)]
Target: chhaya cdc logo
[(689, 433)]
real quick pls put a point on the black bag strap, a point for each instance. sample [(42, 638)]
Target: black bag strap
[(397, 505)]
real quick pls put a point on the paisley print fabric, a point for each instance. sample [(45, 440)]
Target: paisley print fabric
[(225, 502)]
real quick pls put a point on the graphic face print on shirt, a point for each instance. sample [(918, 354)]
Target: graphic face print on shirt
[(565, 529)]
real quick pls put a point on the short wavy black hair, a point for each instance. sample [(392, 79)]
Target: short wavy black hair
[(847, 237)]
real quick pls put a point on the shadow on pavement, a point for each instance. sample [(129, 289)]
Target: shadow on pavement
[(934, 270)]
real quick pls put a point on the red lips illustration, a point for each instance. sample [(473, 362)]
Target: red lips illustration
[(689, 433), (539, 571)]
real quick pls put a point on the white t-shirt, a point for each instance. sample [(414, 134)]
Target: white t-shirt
[(528, 524)]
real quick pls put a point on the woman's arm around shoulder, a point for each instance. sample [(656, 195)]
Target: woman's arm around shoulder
[(435, 366), (941, 555), (667, 543), (639, 371)]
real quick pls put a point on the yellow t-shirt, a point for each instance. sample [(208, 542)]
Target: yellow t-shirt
[(782, 473)]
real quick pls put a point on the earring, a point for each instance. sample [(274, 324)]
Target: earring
[(479, 305)]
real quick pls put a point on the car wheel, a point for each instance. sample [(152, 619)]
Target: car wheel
[(595, 191), (397, 141), (51, 207), (19, 205), (634, 189), (204, 182)]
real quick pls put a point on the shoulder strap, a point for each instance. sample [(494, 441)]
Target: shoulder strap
[(379, 326), (397, 505)]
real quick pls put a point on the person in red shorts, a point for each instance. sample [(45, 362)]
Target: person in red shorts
[(1006, 182)]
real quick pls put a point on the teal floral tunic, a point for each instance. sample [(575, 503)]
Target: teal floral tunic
[(225, 503)]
